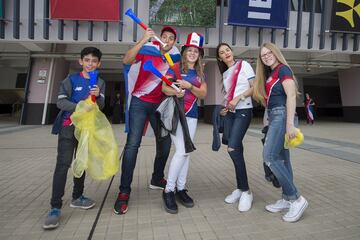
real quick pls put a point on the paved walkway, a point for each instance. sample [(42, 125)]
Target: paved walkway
[(326, 170)]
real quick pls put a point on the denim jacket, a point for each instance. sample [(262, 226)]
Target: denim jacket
[(218, 127)]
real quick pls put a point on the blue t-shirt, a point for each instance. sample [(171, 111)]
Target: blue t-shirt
[(275, 92)]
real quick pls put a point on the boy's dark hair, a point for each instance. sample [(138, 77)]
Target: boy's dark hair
[(91, 50)]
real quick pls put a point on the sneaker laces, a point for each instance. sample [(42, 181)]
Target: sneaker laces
[(123, 196), (281, 202), (291, 209), (54, 212), (170, 197), (83, 198), (235, 192), (184, 194)]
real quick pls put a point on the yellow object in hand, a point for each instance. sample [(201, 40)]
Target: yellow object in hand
[(97, 152), (296, 141), (168, 59)]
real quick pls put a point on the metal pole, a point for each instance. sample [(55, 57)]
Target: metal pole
[(247, 36), (16, 19), (46, 20), (31, 19), (273, 35), (356, 42), (50, 77), (61, 29), (260, 36), (286, 38), (299, 24), (311, 26), (90, 30), (322, 27), (135, 24), (345, 41), (120, 33), (206, 36), (234, 35), (2, 22), (333, 40), (75, 30), (49, 83), (105, 34), (221, 22), (27, 86)]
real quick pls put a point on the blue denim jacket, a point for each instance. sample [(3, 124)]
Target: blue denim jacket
[(218, 127)]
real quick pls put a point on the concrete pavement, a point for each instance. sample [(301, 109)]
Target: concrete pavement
[(326, 171)]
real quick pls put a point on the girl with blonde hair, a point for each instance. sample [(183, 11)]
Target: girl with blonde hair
[(276, 88)]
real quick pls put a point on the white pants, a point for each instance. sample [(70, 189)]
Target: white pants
[(179, 165)]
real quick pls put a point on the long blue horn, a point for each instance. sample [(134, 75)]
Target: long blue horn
[(131, 14)]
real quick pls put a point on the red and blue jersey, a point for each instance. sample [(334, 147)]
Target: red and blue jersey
[(190, 100), (143, 84), (148, 86), (275, 92)]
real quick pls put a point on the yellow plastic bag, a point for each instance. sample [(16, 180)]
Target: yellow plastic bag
[(296, 141), (97, 150)]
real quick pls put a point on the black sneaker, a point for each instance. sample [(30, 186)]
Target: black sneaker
[(158, 184), (121, 203), (270, 177), (184, 198), (275, 182), (170, 202)]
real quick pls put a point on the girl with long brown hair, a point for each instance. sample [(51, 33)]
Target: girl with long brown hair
[(237, 79)]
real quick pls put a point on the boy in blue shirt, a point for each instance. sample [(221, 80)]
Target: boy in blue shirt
[(73, 89)]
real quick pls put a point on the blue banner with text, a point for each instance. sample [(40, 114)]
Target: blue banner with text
[(259, 13)]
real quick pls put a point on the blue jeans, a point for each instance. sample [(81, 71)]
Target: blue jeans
[(238, 123), (65, 151), (139, 112), (276, 156)]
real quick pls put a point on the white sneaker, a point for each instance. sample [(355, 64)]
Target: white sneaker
[(245, 201), (296, 210), (233, 197), (278, 206)]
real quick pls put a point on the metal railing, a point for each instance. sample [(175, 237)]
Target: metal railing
[(313, 6)]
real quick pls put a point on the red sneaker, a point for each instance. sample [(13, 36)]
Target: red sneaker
[(121, 203)]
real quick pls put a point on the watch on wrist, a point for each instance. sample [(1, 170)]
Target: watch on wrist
[(242, 97)]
